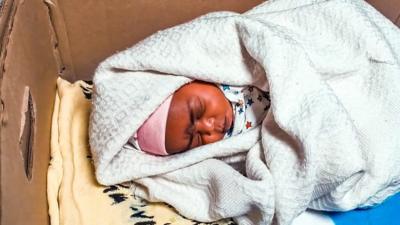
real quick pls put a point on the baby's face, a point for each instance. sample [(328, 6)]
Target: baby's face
[(199, 114)]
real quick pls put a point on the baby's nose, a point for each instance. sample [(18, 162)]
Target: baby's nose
[(206, 126)]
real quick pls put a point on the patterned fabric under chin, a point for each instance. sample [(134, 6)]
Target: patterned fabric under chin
[(250, 105)]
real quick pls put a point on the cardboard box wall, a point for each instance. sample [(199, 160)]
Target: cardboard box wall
[(42, 39)]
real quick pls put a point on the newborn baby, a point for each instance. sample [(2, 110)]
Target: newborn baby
[(200, 113)]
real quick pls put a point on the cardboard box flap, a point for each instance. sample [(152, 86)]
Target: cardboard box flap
[(29, 71), (96, 29)]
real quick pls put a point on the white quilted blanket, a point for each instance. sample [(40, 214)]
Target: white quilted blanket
[(331, 140)]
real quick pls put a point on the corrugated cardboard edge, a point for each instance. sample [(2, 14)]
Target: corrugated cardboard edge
[(7, 12), (60, 40)]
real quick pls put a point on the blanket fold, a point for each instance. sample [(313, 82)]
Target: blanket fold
[(329, 142)]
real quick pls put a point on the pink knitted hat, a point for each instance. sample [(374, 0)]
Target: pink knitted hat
[(151, 135)]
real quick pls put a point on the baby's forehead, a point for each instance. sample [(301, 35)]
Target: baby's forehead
[(200, 88)]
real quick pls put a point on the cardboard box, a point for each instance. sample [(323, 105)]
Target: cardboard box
[(43, 39)]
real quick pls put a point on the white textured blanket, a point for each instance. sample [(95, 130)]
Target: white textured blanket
[(331, 140)]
